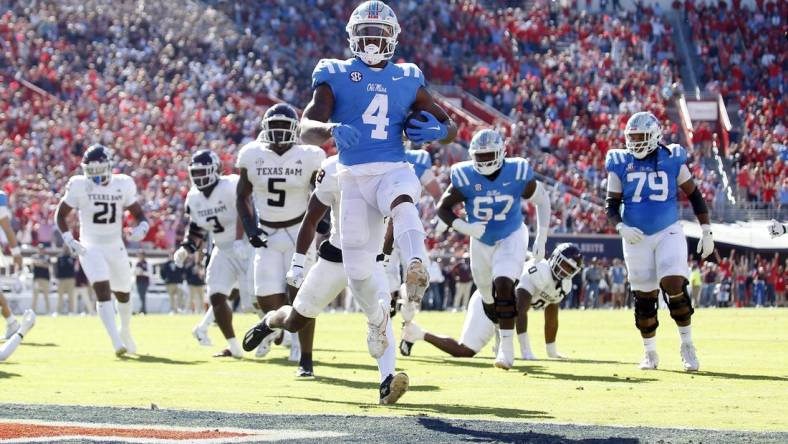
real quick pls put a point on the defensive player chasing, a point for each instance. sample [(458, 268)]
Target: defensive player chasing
[(279, 174), (363, 103), (322, 284), (490, 186), (543, 283), (11, 324), (100, 198), (646, 177), (210, 205)]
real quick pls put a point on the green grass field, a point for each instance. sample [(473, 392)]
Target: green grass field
[(743, 385)]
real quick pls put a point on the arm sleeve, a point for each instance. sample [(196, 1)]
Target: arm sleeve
[(614, 183), (541, 200)]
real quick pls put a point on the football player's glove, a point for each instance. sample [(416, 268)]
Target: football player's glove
[(345, 136), (73, 245), (295, 276), (138, 233), (427, 131), (706, 242), (180, 256), (630, 234)]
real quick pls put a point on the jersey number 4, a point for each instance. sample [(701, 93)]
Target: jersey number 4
[(106, 214), (657, 183), (486, 213), (377, 114)]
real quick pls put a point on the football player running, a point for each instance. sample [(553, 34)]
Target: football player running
[(100, 197), (544, 283), (645, 177), (422, 166), (320, 285), (490, 186), (210, 205), (363, 103), (11, 323), (279, 173)]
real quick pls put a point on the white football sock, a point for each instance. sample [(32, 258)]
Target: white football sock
[(650, 344), (124, 311), (551, 349), (387, 362), (11, 345), (235, 347), (409, 232), (525, 344), (507, 341), (686, 334), (367, 293), (106, 312), (10, 319), (207, 319)]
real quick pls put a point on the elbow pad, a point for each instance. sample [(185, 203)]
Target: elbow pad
[(698, 203)]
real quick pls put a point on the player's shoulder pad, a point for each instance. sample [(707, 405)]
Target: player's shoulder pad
[(459, 173), (616, 158), (313, 150), (245, 151), (523, 171), (327, 70), (412, 71), (232, 178), (677, 152), (543, 276)]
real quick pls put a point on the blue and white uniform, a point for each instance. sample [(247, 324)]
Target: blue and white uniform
[(501, 252), (4, 212), (374, 172), (649, 190)]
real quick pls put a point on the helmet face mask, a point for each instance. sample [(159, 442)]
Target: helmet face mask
[(642, 134), (279, 126), (566, 261), (487, 151), (97, 164), (372, 32), (204, 169)]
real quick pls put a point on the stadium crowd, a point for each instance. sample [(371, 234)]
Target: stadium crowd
[(139, 81)]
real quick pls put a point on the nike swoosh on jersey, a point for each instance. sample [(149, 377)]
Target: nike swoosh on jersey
[(506, 183), (397, 78)]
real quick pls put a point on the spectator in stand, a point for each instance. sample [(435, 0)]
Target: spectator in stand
[(461, 274), (195, 279), (779, 287), (618, 277), (435, 290), (172, 275), (696, 283), (142, 280), (724, 293), (710, 280), (759, 287), (41, 279), (592, 275), (84, 291), (65, 273)]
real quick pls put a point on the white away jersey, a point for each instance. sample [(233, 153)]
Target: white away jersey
[(327, 192), (537, 279), (216, 213), (100, 207), (281, 183)]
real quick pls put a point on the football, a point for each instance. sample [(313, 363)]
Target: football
[(414, 115)]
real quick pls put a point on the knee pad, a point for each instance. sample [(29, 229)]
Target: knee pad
[(354, 214), (359, 264), (505, 305), (489, 310), (406, 218), (680, 305), (217, 298), (645, 310)]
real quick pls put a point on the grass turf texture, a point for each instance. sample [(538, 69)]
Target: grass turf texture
[(742, 385)]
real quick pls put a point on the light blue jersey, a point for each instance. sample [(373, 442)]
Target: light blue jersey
[(374, 101), (3, 199), (495, 201), (420, 160), (4, 211), (649, 186)]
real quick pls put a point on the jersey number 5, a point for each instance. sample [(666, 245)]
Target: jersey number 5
[(482, 213), (657, 182), (106, 208), (280, 194), (377, 114)]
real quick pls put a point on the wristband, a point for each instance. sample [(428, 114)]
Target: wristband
[(298, 260)]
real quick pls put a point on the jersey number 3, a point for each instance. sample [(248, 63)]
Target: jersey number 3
[(657, 183), (377, 114)]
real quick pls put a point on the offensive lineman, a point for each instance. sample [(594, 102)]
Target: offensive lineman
[(363, 103), (278, 173), (210, 205), (645, 177), (490, 186), (322, 284), (543, 283), (100, 198)]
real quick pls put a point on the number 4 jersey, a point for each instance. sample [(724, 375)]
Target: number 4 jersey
[(281, 183), (100, 207), (375, 101), (495, 201), (649, 186), (216, 214)]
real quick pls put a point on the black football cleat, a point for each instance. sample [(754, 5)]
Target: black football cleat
[(304, 372), (257, 334), (405, 347), (393, 387)]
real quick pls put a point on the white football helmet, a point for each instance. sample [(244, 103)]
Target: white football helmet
[(372, 32), (642, 134), (487, 151)]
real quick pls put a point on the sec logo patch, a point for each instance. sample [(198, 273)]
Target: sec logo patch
[(356, 76)]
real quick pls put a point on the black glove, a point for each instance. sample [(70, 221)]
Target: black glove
[(257, 239)]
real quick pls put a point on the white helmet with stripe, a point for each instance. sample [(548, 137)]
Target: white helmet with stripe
[(642, 134), (487, 151), (372, 32)]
